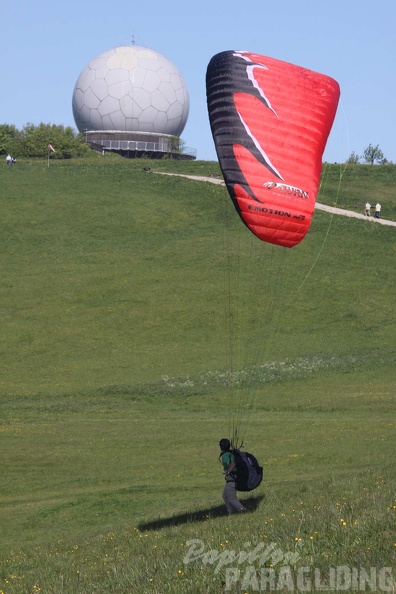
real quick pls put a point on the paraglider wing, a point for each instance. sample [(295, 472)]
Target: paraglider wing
[(270, 122)]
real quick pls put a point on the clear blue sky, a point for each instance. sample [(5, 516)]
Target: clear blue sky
[(46, 44)]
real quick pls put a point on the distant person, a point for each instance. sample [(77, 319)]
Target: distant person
[(377, 210), (368, 209), (13, 160), (8, 159), (227, 459)]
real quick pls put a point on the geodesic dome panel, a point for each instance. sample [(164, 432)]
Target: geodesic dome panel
[(132, 89)]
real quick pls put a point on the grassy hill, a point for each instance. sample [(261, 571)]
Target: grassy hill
[(351, 186), (140, 321)]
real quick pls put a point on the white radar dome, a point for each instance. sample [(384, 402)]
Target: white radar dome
[(132, 89)]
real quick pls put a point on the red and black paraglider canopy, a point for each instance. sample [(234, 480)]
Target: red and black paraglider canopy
[(270, 121)]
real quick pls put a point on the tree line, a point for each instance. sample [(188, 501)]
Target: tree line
[(33, 141), (371, 155)]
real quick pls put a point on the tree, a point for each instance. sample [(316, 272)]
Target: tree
[(33, 141), (353, 158), (8, 138), (176, 145), (373, 154)]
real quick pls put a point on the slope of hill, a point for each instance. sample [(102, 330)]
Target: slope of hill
[(140, 322)]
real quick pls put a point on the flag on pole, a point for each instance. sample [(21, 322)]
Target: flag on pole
[(51, 148)]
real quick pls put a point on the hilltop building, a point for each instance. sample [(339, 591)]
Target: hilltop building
[(133, 101)]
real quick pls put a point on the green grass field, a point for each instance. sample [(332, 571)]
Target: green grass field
[(140, 320)]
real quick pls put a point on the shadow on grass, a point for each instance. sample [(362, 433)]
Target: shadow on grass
[(198, 516)]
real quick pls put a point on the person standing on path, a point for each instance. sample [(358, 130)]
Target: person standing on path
[(377, 210)]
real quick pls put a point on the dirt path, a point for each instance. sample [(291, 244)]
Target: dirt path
[(331, 209)]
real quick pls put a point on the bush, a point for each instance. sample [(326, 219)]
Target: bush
[(33, 141)]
